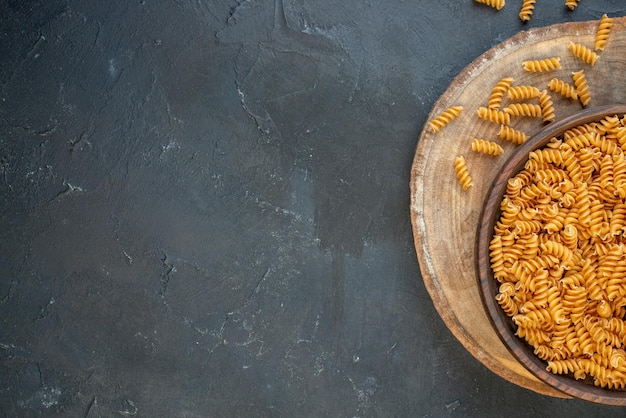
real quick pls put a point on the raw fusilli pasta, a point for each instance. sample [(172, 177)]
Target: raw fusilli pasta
[(493, 115), (513, 135), (498, 92), (547, 107), (523, 109), (523, 92), (602, 34), (526, 11), (462, 173), (580, 81), (506, 301), (571, 4), (540, 65), (496, 4), (563, 88), (559, 253), (583, 53), (486, 147), (445, 117)]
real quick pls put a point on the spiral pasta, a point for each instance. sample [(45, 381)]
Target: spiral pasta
[(512, 135), (496, 4), (563, 88), (547, 107), (541, 65), (571, 4), (609, 125), (526, 11), (462, 173), (559, 249), (523, 92), (493, 115), (498, 92), (583, 53), (505, 299), (580, 81), (563, 366), (602, 33), (486, 147), (523, 109), (619, 177), (445, 117)]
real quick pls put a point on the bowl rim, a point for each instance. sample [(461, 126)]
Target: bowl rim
[(490, 212)]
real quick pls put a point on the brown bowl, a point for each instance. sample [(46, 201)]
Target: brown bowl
[(505, 328)]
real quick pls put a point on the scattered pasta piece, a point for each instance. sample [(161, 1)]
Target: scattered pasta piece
[(523, 109), (512, 135), (563, 88), (526, 11), (602, 34), (580, 81), (493, 115), (497, 94), (523, 92), (540, 65), (486, 147), (462, 173), (558, 253), (527, 8), (496, 4), (571, 4), (583, 53), (445, 117), (547, 107)]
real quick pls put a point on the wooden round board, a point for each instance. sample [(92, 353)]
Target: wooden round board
[(444, 216)]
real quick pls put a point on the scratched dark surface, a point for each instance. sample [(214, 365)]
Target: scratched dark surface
[(205, 208)]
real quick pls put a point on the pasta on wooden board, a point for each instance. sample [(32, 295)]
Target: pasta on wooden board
[(445, 117), (512, 135), (563, 88), (541, 65), (561, 278), (547, 107), (494, 112), (486, 147), (522, 92), (523, 109), (526, 11), (469, 93), (602, 34), (462, 173), (493, 115), (583, 53), (498, 92), (580, 81), (560, 249)]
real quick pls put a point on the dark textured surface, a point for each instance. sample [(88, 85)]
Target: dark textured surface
[(205, 208)]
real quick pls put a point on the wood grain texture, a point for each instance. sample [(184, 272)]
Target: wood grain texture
[(445, 217)]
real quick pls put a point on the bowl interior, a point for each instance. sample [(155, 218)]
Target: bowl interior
[(488, 285)]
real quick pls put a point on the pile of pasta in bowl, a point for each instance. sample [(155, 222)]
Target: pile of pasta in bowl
[(552, 252)]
